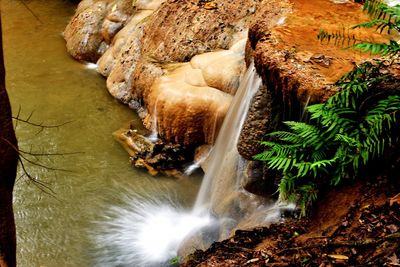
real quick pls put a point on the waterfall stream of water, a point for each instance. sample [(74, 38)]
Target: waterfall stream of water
[(145, 227), (154, 124), (148, 232), (221, 174)]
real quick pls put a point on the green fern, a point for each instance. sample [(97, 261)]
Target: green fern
[(347, 131), (340, 139)]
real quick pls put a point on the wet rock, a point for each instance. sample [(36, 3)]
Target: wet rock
[(190, 100), (180, 30), (140, 42), (93, 27), (202, 155), (202, 239), (224, 74), (134, 143), (185, 113), (155, 156), (257, 180), (258, 122), (121, 59), (83, 33)]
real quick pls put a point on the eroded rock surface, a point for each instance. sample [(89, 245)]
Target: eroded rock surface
[(183, 103), (296, 68), (94, 25), (138, 42), (171, 62)]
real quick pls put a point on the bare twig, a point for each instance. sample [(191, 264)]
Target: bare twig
[(18, 118), (44, 187), (41, 125), (31, 11), (39, 184), (32, 162)]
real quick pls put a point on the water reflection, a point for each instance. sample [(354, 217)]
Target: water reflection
[(41, 77)]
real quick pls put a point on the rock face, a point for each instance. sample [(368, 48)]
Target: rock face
[(178, 63), (94, 25), (188, 87), (138, 44)]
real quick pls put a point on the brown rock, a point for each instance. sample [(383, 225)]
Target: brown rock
[(296, 68), (143, 46), (185, 113), (94, 25), (180, 30), (155, 156), (83, 33), (259, 121), (119, 46)]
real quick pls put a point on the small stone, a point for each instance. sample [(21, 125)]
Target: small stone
[(392, 228), (210, 5)]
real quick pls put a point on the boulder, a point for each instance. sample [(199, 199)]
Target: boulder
[(94, 25), (83, 33), (185, 113), (117, 51)]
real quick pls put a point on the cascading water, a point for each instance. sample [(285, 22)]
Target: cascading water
[(143, 231), (224, 156), (221, 193), (149, 232), (196, 164), (154, 125)]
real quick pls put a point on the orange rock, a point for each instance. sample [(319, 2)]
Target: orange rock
[(395, 199)]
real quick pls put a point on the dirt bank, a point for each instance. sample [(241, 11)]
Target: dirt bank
[(355, 225)]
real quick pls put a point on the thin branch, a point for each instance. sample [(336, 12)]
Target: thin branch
[(31, 11), (32, 162), (18, 114), (41, 125), (39, 184), (48, 154)]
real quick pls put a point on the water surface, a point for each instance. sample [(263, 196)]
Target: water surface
[(42, 78)]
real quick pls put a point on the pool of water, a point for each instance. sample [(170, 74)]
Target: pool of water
[(59, 229)]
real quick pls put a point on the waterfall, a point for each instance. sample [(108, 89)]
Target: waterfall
[(147, 228), (220, 176), (153, 137)]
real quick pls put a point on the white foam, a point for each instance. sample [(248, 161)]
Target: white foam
[(91, 66), (144, 233)]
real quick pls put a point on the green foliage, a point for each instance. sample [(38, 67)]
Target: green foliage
[(384, 18), (343, 135), (175, 261), (349, 130)]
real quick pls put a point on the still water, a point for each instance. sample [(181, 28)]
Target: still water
[(57, 231)]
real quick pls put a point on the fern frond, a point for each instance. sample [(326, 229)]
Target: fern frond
[(308, 194), (391, 49), (286, 186), (285, 136), (347, 140), (379, 23), (340, 37), (380, 10), (309, 133)]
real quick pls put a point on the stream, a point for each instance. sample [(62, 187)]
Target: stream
[(57, 224)]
